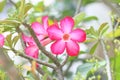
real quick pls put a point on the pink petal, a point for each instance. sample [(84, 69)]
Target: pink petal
[(78, 35), (54, 32), (28, 39), (38, 28), (58, 47), (32, 51), (1, 40), (46, 41), (40, 37), (67, 24), (45, 22), (72, 48)]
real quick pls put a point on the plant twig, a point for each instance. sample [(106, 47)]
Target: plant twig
[(78, 7), (48, 54), (9, 67), (31, 58), (65, 61), (109, 74), (39, 69)]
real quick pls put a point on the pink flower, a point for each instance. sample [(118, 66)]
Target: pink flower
[(65, 37), (1, 40), (41, 33)]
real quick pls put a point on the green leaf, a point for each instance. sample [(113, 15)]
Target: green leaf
[(2, 4), (117, 67), (116, 34), (85, 68), (92, 33), (9, 40), (79, 17), (90, 18), (15, 40), (28, 6), (102, 26), (92, 50), (21, 9), (7, 21), (45, 77)]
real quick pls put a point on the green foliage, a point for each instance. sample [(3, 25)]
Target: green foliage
[(92, 50), (90, 67), (11, 41), (3, 75), (2, 4)]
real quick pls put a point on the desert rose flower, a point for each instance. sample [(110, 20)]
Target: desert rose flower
[(1, 40), (41, 33), (65, 37)]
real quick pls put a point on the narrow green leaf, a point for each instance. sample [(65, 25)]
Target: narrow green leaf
[(102, 27), (79, 17), (15, 40), (7, 21), (9, 40), (116, 34), (90, 18), (28, 6), (104, 30), (22, 9), (92, 50), (45, 77)]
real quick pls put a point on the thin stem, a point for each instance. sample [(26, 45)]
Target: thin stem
[(78, 7), (48, 54), (109, 74), (31, 58), (65, 61), (8, 66), (39, 69)]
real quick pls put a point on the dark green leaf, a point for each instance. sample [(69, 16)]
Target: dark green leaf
[(92, 50)]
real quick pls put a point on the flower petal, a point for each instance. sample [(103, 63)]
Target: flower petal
[(32, 51), (72, 48), (1, 40), (28, 39), (78, 35), (38, 28), (45, 22), (58, 47), (46, 41), (67, 24), (54, 32)]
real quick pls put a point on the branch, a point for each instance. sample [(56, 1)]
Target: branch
[(65, 61), (39, 69), (48, 54), (9, 67), (31, 58), (109, 74)]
